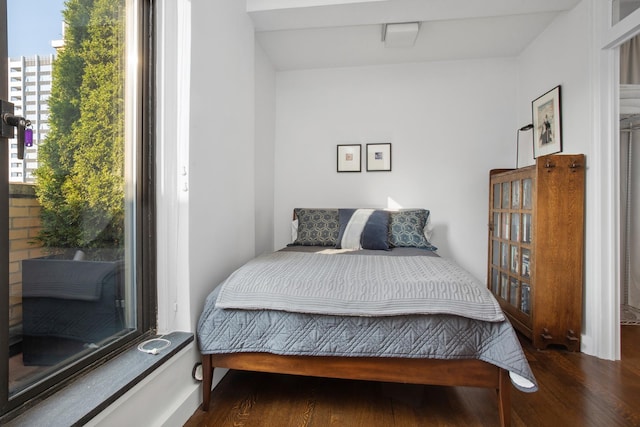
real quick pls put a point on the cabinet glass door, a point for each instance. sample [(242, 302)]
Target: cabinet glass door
[(495, 282), (505, 226), (504, 291), (495, 257), (525, 299), (515, 226), (527, 185), (496, 224), (526, 254), (496, 196), (505, 195), (515, 260), (505, 256), (526, 228), (515, 194), (513, 292)]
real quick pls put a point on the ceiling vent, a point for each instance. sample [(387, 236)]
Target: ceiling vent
[(401, 34)]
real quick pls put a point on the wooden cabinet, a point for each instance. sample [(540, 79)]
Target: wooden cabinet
[(536, 248)]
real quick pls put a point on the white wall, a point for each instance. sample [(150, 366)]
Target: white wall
[(265, 114), (561, 56), (206, 146), (221, 150), (449, 124)]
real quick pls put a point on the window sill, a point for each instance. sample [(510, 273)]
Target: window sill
[(84, 398)]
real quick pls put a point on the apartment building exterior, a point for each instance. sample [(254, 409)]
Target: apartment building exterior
[(30, 80)]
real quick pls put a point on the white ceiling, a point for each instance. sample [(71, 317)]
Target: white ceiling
[(301, 34)]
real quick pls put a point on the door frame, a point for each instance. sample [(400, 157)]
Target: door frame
[(603, 255), (4, 220)]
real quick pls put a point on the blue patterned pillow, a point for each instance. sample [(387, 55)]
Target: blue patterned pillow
[(363, 229), (317, 227), (406, 229)]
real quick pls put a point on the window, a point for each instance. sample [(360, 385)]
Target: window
[(97, 240)]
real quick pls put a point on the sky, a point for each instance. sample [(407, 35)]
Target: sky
[(31, 25)]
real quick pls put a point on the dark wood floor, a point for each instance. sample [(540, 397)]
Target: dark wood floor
[(574, 390)]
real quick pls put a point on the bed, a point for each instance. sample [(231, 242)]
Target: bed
[(362, 294)]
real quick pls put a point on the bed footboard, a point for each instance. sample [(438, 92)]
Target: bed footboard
[(466, 372)]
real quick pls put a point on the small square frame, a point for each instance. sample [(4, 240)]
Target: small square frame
[(379, 157), (547, 123), (349, 158)]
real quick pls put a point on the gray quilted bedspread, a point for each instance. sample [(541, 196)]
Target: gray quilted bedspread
[(364, 285), (436, 336)]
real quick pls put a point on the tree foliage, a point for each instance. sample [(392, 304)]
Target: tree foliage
[(80, 177)]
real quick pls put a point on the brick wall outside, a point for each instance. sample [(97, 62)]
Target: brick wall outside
[(24, 224)]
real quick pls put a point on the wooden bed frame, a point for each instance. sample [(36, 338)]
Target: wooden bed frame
[(466, 372)]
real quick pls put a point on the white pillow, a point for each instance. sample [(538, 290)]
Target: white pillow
[(294, 230), (428, 229)]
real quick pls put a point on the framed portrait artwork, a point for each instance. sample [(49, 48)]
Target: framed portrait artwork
[(378, 157), (349, 158), (547, 123)]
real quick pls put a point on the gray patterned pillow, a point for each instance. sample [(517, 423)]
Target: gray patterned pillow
[(317, 227), (406, 229)]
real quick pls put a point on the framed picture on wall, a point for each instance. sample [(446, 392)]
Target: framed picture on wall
[(378, 157), (349, 158), (547, 123)]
